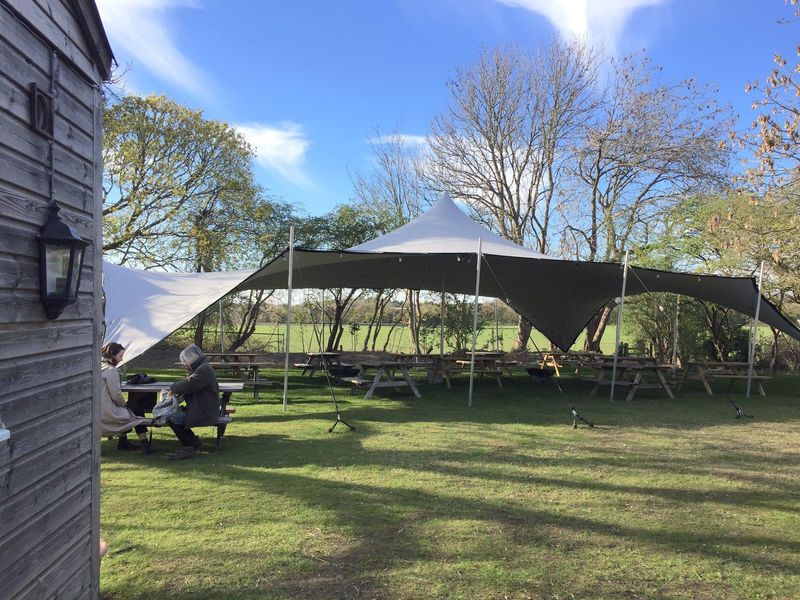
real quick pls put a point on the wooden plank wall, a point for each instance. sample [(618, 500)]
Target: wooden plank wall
[(49, 494)]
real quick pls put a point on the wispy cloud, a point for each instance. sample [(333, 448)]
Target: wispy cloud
[(141, 28), (281, 149), (404, 139), (601, 21)]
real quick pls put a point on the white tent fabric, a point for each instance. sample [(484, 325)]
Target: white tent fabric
[(444, 228), (144, 307), (437, 251)]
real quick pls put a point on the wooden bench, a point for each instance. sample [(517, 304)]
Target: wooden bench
[(224, 419), (706, 372), (356, 382)]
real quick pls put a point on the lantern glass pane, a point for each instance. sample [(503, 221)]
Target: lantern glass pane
[(57, 265), (77, 259)]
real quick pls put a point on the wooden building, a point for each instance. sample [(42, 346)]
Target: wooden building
[(49, 369)]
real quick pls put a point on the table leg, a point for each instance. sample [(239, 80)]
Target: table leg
[(684, 377), (636, 381), (410, 382), (701, 372), (664, 384), (371, 390), (599, 379), (255, 382)]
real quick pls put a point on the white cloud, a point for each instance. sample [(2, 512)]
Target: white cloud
[(140, 28), (404, 139), (600, 21), (281, 149)]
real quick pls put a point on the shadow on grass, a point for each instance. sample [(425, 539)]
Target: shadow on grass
[(386, 523)]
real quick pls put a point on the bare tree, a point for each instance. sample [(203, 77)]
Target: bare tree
[(505, 139), (394, 194), (647, 145)]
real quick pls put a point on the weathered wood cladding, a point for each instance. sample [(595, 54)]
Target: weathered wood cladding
[(49, 495)]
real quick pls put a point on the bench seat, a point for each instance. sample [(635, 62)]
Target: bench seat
[(356, 381)]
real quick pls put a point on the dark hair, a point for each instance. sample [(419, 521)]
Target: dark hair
[(110, 350)]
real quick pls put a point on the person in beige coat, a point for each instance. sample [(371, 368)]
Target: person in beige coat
[(116, 419)]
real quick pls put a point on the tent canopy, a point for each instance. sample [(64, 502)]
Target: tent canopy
[(437, 252), (144, 307)]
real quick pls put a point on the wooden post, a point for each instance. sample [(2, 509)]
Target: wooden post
[(619, 326), (475, 323), (288, 318), (754, 331)]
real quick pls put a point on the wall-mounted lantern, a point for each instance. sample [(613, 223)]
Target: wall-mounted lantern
[(60, 264)]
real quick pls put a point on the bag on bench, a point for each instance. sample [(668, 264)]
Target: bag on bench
[(141, 402), (539, 375)]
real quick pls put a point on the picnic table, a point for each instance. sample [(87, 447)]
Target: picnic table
[(248, 372), (486, 363), (556, 360), (385, 376), (226, 389), (708, 371), (637, 374), (316, 360), (232, 357), (224, 386)]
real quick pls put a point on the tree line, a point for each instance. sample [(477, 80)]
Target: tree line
[(557, 148)]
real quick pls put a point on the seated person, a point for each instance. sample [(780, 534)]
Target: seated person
[(200, 392), (116, 419)]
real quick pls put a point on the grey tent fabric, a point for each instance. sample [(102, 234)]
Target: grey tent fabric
[(559, 297)]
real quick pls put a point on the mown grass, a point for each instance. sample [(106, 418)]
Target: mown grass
[(303, 339), (430, 499)]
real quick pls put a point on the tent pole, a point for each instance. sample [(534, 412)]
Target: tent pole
[(675, 335), (754, 331), (475, 322), (496, 328), (322, 326), (221, 342), (412, 319), (441, 322), (619, 325), (287, 339)]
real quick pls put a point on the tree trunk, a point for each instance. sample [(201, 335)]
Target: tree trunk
[(773, 358), (413, 319), (199, 329), (596, 328), (247, 326), (523, 334)]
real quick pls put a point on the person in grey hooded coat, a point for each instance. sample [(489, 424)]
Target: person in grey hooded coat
[(200, 392)]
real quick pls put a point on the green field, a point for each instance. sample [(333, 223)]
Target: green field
[(303, 339), (429, 498)]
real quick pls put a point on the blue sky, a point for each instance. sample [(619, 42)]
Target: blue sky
[(307, 82)]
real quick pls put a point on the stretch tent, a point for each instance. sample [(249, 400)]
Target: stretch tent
[(144, 307), (438, 252)]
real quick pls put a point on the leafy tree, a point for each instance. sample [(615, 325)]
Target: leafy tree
[(342, 228), (169, 175), (774, 136), (458, 309), (732, 233), (179, 193)]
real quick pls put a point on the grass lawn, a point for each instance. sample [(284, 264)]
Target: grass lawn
[(430, 499), (303, 339)]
